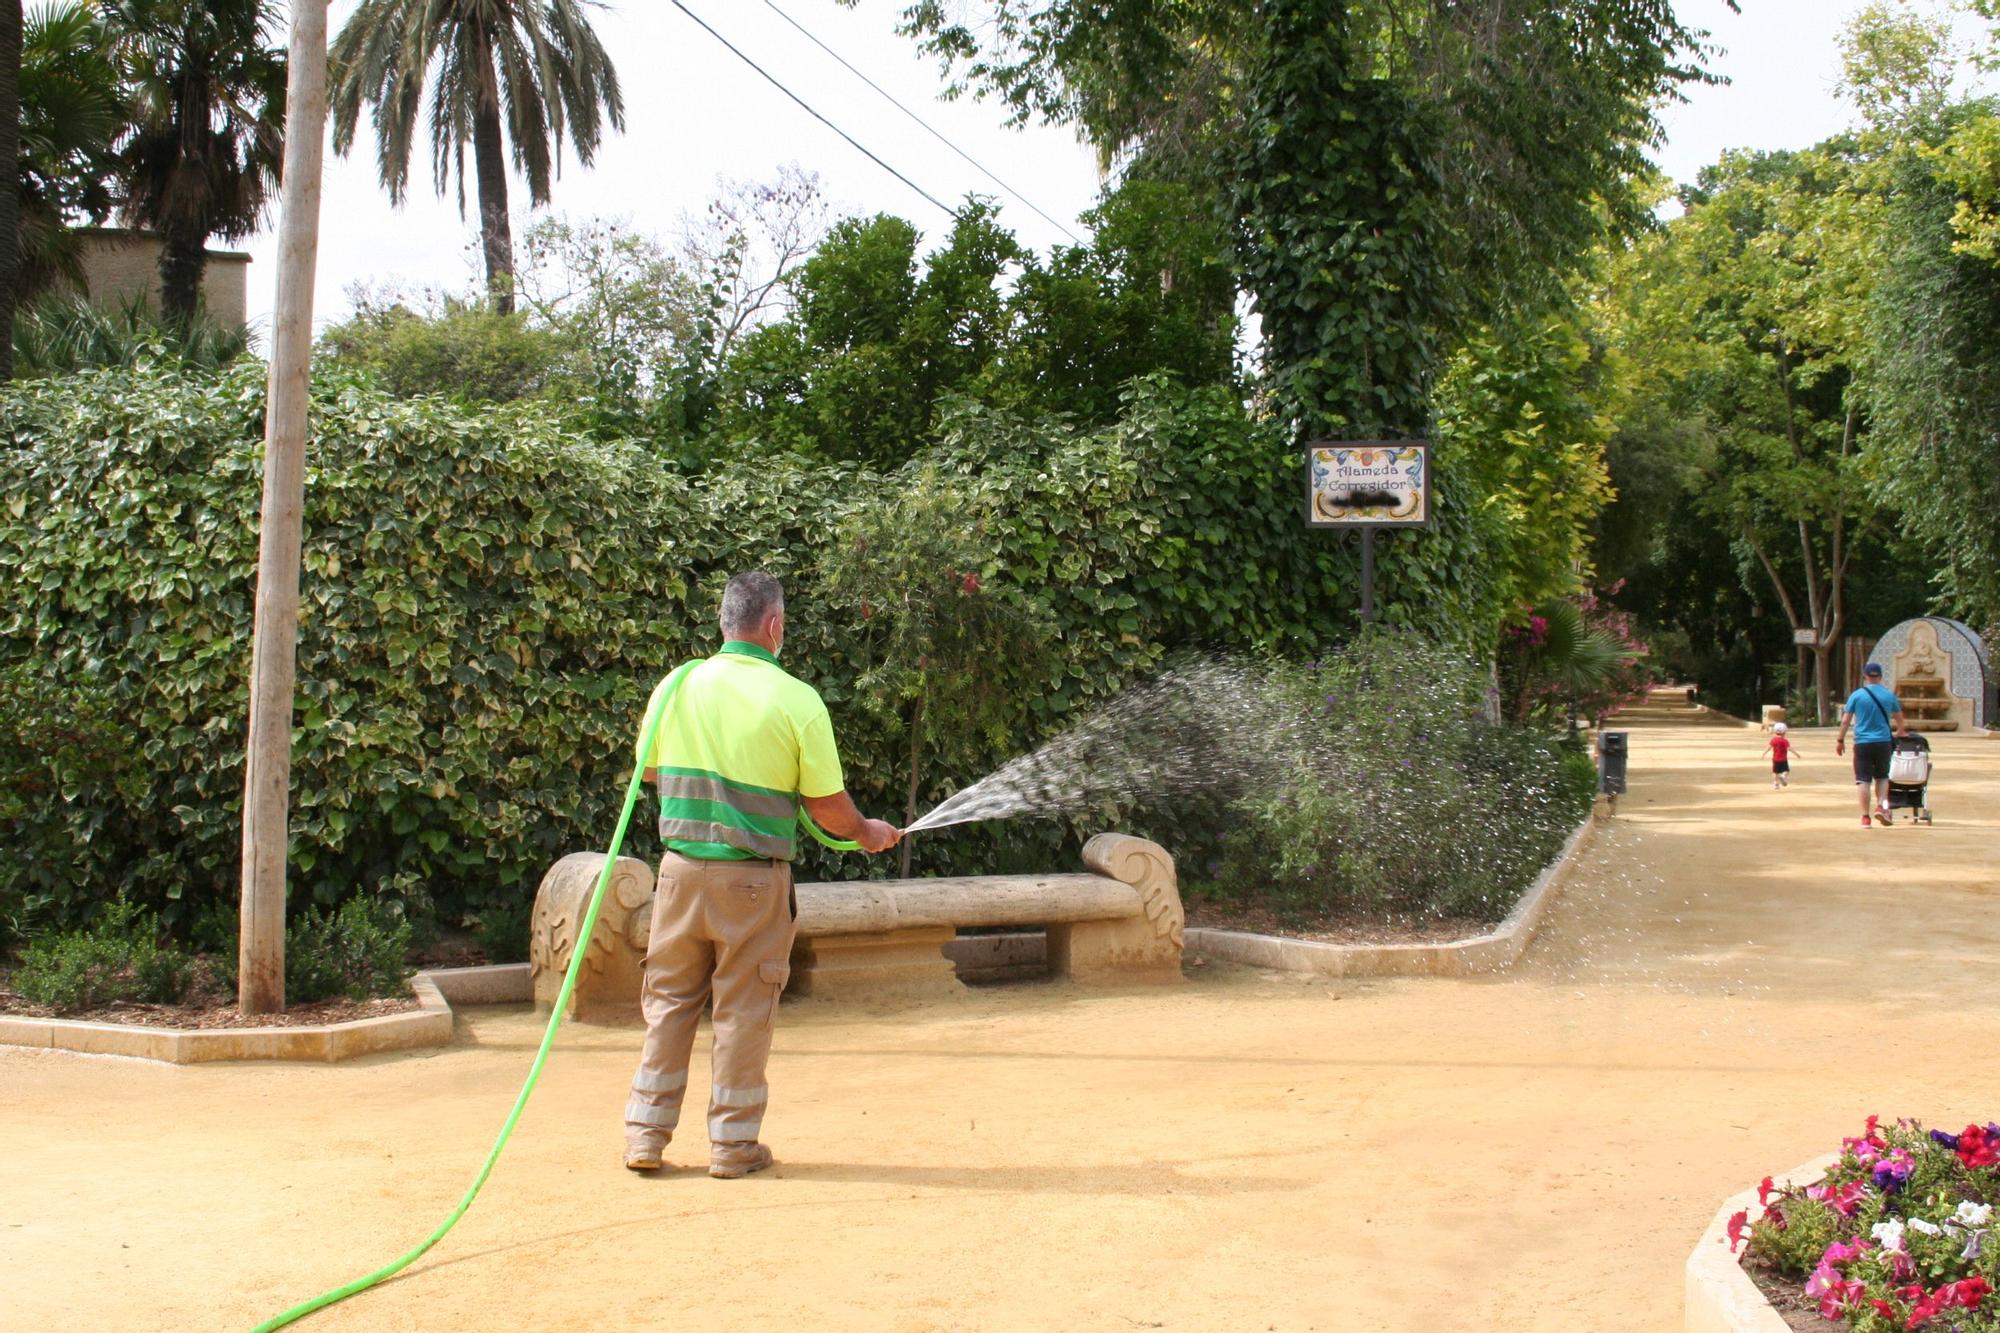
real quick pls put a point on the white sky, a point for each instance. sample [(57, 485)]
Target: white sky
[(695, 113)]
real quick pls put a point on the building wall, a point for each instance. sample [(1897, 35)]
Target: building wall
[(120, 265)]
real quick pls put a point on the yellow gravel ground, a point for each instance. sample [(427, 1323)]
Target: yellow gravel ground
[(1736, 979)]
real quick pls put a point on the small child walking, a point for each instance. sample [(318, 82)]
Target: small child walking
[(1780, 750)]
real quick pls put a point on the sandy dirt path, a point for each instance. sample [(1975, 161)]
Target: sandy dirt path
[(1735, 980)]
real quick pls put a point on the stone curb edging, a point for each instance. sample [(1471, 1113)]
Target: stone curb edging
[(428, 1025), (1492, 952), (1720, 1297)]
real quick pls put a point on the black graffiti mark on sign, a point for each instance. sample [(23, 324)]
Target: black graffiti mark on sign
[(1366, 499)]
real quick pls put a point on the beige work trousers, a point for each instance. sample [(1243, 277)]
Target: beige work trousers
[(721, 929)]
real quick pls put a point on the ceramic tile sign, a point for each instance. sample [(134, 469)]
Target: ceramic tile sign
[(1368, 484)]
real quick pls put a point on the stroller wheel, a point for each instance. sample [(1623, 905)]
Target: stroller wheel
[(1927, 816)]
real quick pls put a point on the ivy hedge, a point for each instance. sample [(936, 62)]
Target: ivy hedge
[(487, 599)]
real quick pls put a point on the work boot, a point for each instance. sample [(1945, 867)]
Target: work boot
[(740, 1161), (644, 1154)]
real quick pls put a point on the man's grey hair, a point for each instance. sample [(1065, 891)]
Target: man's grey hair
[(748, 601)]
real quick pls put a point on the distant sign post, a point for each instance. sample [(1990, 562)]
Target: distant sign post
[(1806, 637), (1368, 484)]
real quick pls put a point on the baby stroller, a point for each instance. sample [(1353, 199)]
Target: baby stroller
[(1910, 777)]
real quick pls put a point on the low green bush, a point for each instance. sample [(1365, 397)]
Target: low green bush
[(1403, 798), (501, 930), (358, 952), (118, 960), (64, 332)]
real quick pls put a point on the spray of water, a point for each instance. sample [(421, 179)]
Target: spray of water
[(1372, 778), (1203, 729)]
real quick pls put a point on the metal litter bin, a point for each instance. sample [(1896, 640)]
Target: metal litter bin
[(1611, 763)]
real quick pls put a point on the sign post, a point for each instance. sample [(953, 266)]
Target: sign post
[(1368, 484)]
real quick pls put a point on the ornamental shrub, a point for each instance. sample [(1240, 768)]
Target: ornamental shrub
[(469, 353), (484, 602), (118, 960), (502, 930), (487, 599), (356, 953), (1403, 797)]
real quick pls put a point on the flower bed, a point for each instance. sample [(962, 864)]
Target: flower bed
[(1897, 1235)]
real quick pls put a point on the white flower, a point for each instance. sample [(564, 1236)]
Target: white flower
[(1927, 1228), (1888, 1234), (1972, 1214)]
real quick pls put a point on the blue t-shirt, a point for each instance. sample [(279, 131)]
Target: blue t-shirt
[(1871, 707)]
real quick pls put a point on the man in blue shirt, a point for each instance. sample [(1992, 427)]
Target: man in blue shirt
[(1877, 717)]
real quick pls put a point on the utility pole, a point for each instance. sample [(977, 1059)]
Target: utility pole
[(260, 977)]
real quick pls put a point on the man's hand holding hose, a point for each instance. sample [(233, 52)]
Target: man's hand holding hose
[(837, 815)]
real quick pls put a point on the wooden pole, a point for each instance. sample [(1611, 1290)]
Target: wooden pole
[(1367, 575), (260, 978)]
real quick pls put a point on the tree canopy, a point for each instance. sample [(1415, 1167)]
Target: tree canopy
[(498, 75)]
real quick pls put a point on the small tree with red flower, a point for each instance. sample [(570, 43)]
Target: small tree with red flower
[(1575, 658)]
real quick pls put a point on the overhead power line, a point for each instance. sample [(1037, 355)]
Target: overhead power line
[(772, 80), (932, 130)]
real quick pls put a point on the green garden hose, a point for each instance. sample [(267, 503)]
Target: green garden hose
[(648, 730)]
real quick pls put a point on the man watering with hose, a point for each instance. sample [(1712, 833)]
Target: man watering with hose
[(742, 745)]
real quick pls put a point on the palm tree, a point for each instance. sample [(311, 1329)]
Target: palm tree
[(207, 133), (532, 71), (10, 168), (72, 111)]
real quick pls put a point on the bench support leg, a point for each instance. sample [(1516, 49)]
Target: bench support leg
[(890, 964), (1123, 952)]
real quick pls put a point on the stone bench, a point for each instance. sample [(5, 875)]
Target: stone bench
[(879, 939)]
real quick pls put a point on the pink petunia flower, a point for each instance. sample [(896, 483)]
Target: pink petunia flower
[(1841, 1298)]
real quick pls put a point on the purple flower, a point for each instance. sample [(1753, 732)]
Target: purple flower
[(1893, 1172), (1943, 1139)]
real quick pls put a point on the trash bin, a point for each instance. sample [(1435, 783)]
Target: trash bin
[(1611, 763)]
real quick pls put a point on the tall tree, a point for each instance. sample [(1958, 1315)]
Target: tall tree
[(10, 169), (72, 111), (267, 770), (529, 72), (1936, 395), (207, 134), (1398, 169), (1742, 317)]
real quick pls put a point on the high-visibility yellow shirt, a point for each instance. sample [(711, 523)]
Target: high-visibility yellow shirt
[(741, 742)]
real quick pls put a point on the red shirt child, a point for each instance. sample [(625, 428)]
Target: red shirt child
[(1780, 750)]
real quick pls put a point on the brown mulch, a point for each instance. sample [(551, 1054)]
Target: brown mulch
[(1788, 1297), (1333, 928), (213, 1015), (449, 952)]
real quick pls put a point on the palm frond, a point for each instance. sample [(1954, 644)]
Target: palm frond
[(556, 84), (63, 333)]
